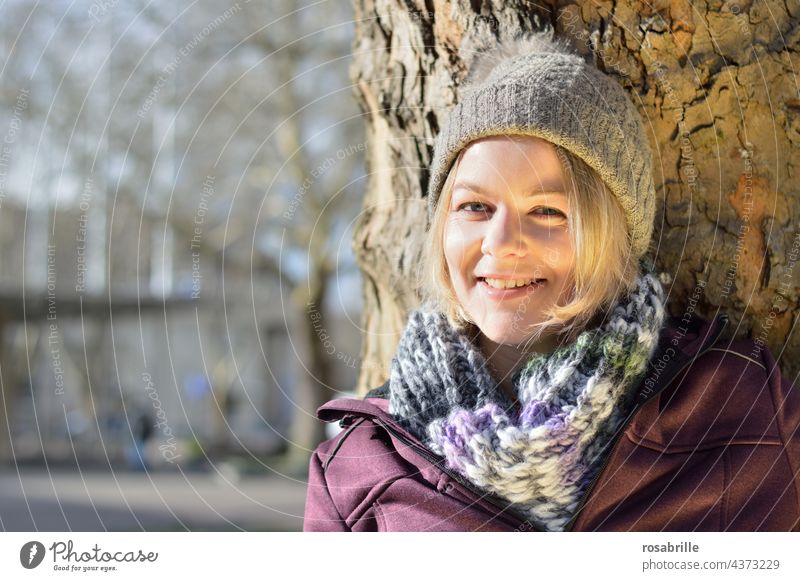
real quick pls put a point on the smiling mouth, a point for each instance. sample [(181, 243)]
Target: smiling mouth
[(503, 285)]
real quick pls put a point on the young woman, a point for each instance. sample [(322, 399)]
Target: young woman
[(541, 386)]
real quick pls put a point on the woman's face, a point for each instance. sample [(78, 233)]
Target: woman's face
[(507, 224)]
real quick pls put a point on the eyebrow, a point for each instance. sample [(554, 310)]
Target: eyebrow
[(530, 193)]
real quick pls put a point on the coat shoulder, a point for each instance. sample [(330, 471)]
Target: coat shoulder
[(358, 464), (724, 396)]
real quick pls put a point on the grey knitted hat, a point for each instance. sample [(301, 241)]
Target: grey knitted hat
[(539, 85)]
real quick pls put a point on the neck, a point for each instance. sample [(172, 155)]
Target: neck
[(504, 360)]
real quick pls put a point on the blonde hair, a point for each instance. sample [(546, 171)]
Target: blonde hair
[(605, 268)]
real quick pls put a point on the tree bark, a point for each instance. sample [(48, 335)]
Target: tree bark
[(714, 84)]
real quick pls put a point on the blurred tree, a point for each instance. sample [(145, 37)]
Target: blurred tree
[(708, 77), (235, 120), (319, 141)]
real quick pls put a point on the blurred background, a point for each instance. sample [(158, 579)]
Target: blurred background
[(178, 185)]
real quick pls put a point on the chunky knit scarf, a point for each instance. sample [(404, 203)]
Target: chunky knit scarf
[(572, 402)]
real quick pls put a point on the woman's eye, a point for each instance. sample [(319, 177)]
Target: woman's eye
[(475, 207), (550, 212)]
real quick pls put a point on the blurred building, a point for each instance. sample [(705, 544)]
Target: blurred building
[(210, 362)]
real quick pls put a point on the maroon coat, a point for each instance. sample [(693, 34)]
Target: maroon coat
[(713, 444)]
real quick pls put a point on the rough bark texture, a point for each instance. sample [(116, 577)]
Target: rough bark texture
[(716, 84)]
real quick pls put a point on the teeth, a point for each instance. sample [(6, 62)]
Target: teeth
[(501, 283)]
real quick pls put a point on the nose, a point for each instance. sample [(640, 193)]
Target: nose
[(504, 235)]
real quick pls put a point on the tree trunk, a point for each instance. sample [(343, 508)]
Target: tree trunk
[(713, 82), (316, 387)]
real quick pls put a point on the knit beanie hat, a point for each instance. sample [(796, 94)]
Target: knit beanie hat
[(540, 86)]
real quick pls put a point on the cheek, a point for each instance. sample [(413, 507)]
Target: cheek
[(456, 246), (557, 252)]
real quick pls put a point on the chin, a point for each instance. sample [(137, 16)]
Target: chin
[(507, 335)]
